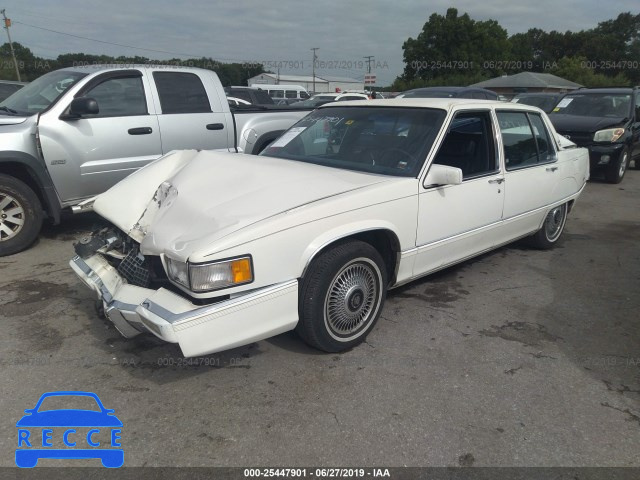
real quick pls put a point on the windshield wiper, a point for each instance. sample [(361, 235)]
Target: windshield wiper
[(9, 110)]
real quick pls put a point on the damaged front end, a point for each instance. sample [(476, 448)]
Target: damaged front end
[(123, 253)]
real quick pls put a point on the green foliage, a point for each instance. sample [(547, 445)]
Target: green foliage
[(605, 55), (31, 67)]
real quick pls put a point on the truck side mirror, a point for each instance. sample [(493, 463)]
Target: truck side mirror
[(82, 106)]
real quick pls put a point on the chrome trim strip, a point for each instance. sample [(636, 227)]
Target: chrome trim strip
[(191, 317), (424, 246), (97, 281)]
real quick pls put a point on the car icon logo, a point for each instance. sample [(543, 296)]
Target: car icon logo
[(69, 433)]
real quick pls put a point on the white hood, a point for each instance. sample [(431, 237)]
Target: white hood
[(213, 194)]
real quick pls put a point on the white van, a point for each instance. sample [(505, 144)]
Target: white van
[(290, 93)]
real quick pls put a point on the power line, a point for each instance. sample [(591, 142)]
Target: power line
[(126, 46), (108, 43)]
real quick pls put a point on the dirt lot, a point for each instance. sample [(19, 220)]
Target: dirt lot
[(515, 358)]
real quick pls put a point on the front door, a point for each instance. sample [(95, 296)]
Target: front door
[(86, 156), (458, 221)]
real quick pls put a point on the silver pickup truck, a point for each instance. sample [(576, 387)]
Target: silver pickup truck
[(73, 133)]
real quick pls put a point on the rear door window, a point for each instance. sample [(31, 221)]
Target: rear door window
[(525, 138), (181, 93)]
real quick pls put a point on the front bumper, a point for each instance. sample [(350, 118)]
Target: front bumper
[(199, 330), (602, 155)]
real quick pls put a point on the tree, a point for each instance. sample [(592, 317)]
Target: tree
[(453, 44), (605, 55)]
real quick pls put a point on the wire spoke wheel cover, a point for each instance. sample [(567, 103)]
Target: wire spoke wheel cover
[(12, 217), (554, 223), (353, 299)]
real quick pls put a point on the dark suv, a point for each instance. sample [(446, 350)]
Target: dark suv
[(607, 122)]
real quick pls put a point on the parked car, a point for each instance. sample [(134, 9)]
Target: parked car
[(280, 92), (254, 96), (8, 88), (347, 96), (607, 122), (317, 100), (212, 250), (544, 101), (235, 102), (450, 92), (75, 132)]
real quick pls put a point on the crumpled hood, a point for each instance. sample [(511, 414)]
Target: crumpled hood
[(216, 193)]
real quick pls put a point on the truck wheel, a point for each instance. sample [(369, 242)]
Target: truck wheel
[(615, 172), (20, 215), (341, 296), (551, 230)]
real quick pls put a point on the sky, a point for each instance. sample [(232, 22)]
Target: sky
[(280, 32)]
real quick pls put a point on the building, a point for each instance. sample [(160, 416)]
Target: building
[(323, 83), (510, 85)]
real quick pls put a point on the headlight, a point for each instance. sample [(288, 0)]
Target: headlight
[(204, 277), (178, 272), (608, 135)]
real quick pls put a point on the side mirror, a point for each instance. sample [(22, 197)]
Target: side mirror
[(443, 175), (82, 106)]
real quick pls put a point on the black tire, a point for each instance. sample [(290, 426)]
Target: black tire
[(341, 296), (636, 163), (615, 172), (16, 196), (552, 227)]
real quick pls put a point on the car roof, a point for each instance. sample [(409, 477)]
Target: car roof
[(449, 89), (440, 103), (539, 94), (601, 90)]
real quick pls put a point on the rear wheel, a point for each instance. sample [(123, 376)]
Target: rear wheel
[(20, 215), (342, 296), (552, 228), (615, 172)]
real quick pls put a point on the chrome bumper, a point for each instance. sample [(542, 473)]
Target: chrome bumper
[(199, 330)]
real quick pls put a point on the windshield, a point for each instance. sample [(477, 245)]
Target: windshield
[(382, 140), (41, 93), (544, 103), (614, 105)]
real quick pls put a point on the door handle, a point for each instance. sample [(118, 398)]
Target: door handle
[(497, 180), (215, 126), (551, 169), (140, 131)]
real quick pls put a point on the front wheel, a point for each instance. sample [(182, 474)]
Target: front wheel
[(342, 296), (615, 172), (552, 228), (20, 215)]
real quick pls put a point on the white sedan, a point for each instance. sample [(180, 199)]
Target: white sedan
[(215, 250)]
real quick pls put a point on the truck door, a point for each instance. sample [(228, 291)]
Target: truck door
[(189, 115), (87, 155)]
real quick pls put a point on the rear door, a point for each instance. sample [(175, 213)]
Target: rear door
[(86, 156), (532, 170), (190, 113)]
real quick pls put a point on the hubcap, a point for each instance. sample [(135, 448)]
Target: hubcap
[(554, 223), (352, 299), (11, 217)]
